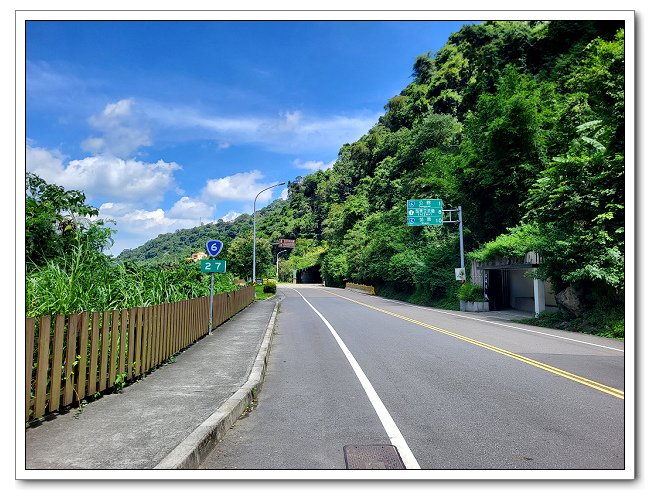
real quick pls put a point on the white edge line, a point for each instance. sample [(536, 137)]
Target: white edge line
[(387, 421)]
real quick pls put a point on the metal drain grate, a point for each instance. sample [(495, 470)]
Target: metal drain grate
[(373, 456)]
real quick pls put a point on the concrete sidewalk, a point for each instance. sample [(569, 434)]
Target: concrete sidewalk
[(172, 417)]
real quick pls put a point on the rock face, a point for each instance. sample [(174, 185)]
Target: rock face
[(569, 299)]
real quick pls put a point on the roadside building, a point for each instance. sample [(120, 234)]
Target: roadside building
[(507, 284), (199, 256)]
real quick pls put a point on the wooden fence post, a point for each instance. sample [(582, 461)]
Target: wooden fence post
[(83, 357), (94, 353), (55, 378), (42, 366), (71, 355), (29, 362)]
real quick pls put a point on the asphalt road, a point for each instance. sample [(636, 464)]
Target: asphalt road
[(450, 390)]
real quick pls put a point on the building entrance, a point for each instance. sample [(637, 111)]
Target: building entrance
[(497, 289)]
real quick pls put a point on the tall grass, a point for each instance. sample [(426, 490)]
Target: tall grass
[(86, 280)]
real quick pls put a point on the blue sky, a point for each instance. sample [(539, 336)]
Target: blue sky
[(167, 124)]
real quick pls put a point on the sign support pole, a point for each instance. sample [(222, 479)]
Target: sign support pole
[(460, 228), (211, 297), (431, 213), (459, 211)]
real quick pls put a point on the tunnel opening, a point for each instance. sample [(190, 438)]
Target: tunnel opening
[(308, 275)]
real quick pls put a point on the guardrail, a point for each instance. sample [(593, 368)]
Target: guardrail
[(362, 288), (83, 354)]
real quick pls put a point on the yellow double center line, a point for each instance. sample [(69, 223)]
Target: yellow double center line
[(557, 371)]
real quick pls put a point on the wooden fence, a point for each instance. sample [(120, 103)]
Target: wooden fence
[(71, 357)]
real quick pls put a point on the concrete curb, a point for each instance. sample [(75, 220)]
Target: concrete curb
[(195, 447)]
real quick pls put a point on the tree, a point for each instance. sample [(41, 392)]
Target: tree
[(503, 151), (423, 68), (239, 256), (56, 220), (579, 203)]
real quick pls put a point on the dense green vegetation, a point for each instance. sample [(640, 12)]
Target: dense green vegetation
[(520, 123), (67, 272)]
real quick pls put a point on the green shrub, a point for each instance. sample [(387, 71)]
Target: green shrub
[(470, 292), (601, 321), (270, 287)]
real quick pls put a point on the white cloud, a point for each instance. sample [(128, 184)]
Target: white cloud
[(188, 208), (313, 165), (135, 226), (71, 92), (147, 219), (104, 176), (123, 131), (93, 144), (47, 164), (296, 133), (289, 132), (183, 117), (42, 77), (113, 210), (290, 122), (230, 216), (242, 186), (284, 194)]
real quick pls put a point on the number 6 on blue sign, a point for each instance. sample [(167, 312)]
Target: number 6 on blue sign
[(214, 247)]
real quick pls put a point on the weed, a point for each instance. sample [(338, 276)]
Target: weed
[(120, 381), (250, 406), (81, 403)]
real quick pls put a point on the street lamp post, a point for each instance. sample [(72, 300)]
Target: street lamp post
[(277, 265), (254, 225)]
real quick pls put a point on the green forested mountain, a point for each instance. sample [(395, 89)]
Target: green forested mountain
[(183, 242), (520, 123)]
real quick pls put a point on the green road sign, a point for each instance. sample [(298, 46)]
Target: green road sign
[(213, 266), (424, 221), (424, 204), (424, 212)]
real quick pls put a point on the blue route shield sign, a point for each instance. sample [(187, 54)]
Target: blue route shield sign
[(214, 247)]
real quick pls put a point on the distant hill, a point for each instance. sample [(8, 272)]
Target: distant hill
[(183, 242)]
